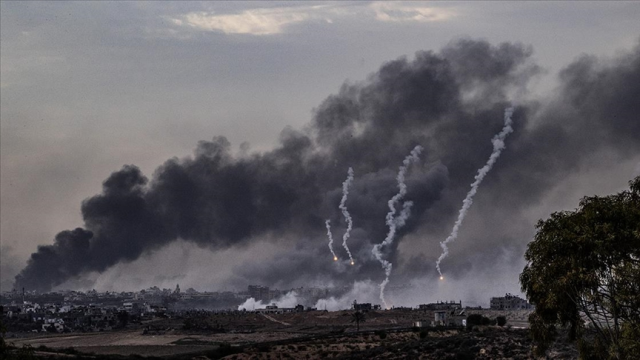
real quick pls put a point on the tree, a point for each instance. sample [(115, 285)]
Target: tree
[(477, 319), (8, 351), (4, 347), (357, 317), (583, 272), (123, 318)]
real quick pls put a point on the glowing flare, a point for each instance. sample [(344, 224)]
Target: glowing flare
[(328, 224), (498, 146), (441, 277), (353, 263)]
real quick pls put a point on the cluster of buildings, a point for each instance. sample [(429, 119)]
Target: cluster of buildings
[(68, 310), (442, 305), (47, 317), (98, 311)]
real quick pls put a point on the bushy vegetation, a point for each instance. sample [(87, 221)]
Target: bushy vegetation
[(583, 273), (477, 319), (381, 334)]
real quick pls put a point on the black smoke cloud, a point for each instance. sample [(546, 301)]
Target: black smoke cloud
[(451, 102)]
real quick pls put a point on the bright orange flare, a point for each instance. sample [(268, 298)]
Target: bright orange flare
[(335, 258), (441, 277), (352, 263)]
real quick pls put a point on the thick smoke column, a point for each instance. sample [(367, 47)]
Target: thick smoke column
[(394, 223), (345, 213), (328, 225), (498, 146), (449, 101)]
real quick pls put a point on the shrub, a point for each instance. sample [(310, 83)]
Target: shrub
[(502, 320), (263, 348), (477, 319), (381, 334)]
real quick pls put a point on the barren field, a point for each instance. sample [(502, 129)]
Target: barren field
[(318, 334)]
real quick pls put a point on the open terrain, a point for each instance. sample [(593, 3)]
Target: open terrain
[(318, 334)]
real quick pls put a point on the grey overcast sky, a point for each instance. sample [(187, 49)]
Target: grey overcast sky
[(87, 87)]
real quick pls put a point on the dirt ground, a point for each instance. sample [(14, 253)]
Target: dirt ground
[(134, 342), (307, 334)]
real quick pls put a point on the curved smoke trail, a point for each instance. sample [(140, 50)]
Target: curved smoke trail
[(345, 213), (393, 222), (328, 225), (498, 146)]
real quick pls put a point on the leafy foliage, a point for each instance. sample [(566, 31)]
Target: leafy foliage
[(477, 319), (583, 272)]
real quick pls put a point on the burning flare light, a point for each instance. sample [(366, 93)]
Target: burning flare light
[(393, 222), (498, 146), (328, 225)]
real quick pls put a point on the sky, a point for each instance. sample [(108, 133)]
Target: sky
[(206, 143)]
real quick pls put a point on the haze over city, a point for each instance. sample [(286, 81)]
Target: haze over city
[(207, 144)]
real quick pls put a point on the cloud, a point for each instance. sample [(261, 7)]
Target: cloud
[(398, 12), (270, 21), (260, 21)]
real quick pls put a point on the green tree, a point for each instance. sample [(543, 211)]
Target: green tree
[(583, 273)]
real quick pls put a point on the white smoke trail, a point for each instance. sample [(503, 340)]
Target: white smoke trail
[(498, 146), (345, 213), (394, 223), (328, 225)]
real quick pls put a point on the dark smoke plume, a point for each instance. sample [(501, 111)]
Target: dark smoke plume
[(450, 102)]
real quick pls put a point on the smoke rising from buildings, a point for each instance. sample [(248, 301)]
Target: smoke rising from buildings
[(345, 213), (449, 101), (395, 222), (498, 146), (288, 300)]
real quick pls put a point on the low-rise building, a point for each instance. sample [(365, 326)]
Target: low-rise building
[(362, 306), (509, 302), (449, 318)]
